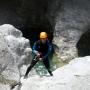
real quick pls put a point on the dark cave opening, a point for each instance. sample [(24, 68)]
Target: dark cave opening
[(32, 33), (83, 45)]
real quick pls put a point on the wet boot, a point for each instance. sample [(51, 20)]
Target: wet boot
[(50, 72)]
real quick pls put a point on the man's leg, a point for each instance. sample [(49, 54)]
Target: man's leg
[(30, 67), (47, 65)]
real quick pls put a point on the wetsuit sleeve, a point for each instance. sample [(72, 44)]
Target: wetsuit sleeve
[(34, 49), (49, 50)]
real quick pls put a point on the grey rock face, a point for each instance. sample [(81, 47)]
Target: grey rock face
[(71, 20), (74, 76), (14, 52)]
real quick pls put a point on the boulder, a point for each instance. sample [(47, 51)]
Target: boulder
[(14, 52), (73, 76)]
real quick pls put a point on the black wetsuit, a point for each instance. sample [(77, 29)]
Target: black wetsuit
[(45, 50)]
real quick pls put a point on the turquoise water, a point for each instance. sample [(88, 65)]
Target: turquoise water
[(55, 63)]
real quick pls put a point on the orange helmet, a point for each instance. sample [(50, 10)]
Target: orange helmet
[(43, 35)]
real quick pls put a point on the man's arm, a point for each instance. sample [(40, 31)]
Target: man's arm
[(34, 50), (49, 50)]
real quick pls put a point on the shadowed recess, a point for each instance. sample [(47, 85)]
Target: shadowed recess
[(83, 44)]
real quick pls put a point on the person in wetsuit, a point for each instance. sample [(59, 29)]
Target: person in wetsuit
[(41, 49)]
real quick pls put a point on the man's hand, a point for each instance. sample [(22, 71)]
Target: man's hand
[(38, 55)]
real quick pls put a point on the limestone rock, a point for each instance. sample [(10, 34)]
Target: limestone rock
[(14, 52), (71, 19), (74, 76), (4, 87)]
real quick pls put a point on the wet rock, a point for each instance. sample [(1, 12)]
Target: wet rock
[(14, 52), (71, 19), (74, 76)]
